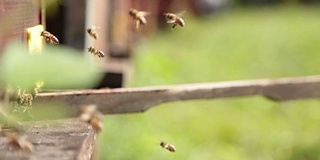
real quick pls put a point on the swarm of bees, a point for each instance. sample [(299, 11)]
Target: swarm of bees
[(91, 31), (139, 18), (91, 115), (94, 34), (168, 146), (49, 37)]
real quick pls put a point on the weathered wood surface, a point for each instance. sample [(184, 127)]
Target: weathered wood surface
[(60, 139), (129, 100)]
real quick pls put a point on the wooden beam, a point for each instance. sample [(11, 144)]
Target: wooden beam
[(130, 100), (60, 139)]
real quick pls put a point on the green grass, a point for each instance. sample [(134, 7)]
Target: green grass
[(239, 44)]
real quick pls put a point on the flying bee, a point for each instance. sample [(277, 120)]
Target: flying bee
[(49, 37), (87, 112), (96, 52), (91, 115), (175, 19), (168, 146), (93, 32), (138, 17)]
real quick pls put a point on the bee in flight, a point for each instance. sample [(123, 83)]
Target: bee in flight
[(91, 115), (96, 52), (168, 146), (138, 17), (49, 37), (93, 32), (175, 19)]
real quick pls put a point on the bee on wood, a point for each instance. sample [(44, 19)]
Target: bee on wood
[(97, 123), (96, 52), (175, 19), (20, 141), (93, 32), (138, 17), (91, 115), (168, 146), (49, 37)]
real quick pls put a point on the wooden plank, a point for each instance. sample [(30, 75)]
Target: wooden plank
[(129, 100), (60, 139)]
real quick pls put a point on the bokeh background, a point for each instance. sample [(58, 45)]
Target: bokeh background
[(223, 40), (247, 40)]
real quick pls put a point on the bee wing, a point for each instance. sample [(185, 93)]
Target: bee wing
[(181, 13), (144, 13), (171, 21)]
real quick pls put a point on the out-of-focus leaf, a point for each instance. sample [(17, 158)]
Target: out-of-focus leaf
[(57, 66)]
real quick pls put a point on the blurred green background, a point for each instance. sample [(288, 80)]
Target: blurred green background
[(242, 43)]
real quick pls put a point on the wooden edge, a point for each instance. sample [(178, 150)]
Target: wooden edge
[(130, 100)]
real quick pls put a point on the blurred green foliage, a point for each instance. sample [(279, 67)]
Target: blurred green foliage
[(239, 44), (58, 67)]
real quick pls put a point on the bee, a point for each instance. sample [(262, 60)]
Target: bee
[(96, 52), (175, 19), (168, 146), (138, 17), (20, 141), (91, 115), (93, 32), (96, 123), (49, 37)]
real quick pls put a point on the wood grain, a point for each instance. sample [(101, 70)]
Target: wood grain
[(130, 100), (60, 139)]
